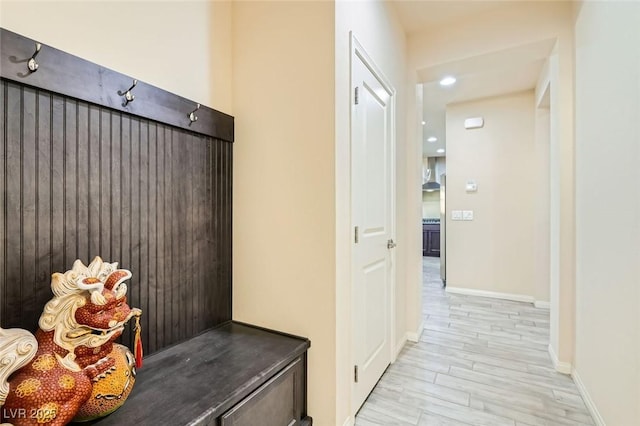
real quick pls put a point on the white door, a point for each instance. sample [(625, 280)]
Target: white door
[(372, 219)]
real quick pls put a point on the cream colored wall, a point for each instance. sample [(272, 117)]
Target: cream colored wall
[(183, 47), (495, 251), (284, 256), (377, 28), (608, 208)]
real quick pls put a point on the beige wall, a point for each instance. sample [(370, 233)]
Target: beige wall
[(495, 251), (183, 47), (377, 28), (608, 208), (284, 193)]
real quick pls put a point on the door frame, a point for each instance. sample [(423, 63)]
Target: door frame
[(357, 52)]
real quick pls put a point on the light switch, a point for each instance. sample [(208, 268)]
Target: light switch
[(467, 215), (456, 214)]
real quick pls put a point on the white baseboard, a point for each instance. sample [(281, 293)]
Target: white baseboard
[(542, 305), (348, 422), (561, 367), (591, 406), (415, 336), (491, 294)]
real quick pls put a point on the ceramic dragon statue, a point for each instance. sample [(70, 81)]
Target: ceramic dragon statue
[(71, 369)]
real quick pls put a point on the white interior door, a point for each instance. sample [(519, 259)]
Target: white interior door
[(372, 219)]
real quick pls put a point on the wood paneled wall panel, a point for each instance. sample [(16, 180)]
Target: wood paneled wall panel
[(80, 180)]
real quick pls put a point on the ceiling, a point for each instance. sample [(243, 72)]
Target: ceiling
[(427, 14), (492, 74)]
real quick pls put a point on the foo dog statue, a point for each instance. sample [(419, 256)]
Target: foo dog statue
[(71, 369)]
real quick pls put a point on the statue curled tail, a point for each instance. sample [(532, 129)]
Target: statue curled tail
[(17, 349)]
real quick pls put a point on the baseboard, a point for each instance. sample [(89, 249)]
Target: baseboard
[(542, 305), (348, 422), (415, 337), (399, 348), (491, 294), (561, 367), (591, 406)]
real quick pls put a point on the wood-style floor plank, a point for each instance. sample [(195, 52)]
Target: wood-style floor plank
[(479, 362)]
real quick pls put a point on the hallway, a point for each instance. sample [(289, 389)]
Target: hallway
[(479, 361)]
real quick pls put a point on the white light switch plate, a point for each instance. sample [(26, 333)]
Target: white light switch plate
[(467, 215), (456, 214)]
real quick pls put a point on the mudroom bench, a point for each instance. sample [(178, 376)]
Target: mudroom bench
[(233, 375)]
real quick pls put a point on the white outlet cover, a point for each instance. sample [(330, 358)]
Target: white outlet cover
[(456, 214), (467, 215)]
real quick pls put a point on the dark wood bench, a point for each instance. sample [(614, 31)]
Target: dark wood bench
[(233, 375)]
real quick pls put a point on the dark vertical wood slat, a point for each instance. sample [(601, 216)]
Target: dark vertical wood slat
[(173, 243), (3, 192), (125, 211), (93, 182), (191, 294), (178, 294), (229, 234), (145, 299), (170, 312), (115, 204), (57, 188), (82, 182), (105, 184), (164, 301), (43, 224), (70, 184), (29, 206), (135, 294), (13, 291), (155, 299)]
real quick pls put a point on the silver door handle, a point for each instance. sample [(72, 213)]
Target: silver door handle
[(391, 244)]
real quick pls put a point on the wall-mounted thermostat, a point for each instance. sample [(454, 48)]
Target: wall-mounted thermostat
[(471, 186)]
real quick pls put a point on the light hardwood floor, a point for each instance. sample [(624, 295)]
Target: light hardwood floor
[(480, 361)]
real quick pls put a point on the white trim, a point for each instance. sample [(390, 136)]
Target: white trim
[(415, 336), (491, 294), (591, 405), (542, 305), (399, 348), (560, 366), (348, 422), (495, 295)]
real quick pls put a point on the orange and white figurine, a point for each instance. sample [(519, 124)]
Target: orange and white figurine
[(71, 369)]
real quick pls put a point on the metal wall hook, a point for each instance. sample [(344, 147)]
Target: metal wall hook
[(192, 115), (32, 64), (128, 96)]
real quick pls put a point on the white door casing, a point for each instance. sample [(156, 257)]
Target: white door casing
[(372, 210)]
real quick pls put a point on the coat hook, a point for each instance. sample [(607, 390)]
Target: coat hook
[(192, 115), (128, 96), (32, 64)]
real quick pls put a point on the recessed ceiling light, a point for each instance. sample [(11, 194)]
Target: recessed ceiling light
[(447, 81), (424, 122), (432, 139), (440, 151)]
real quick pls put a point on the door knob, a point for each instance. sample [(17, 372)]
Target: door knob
[(391, 244)]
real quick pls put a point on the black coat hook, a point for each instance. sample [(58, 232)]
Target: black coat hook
[(128, 96), (32, 64), (192, 115)]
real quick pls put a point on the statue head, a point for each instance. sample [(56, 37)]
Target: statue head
[(89, 307)]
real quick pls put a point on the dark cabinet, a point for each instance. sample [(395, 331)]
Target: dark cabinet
[(431, 240), (233, 375)]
